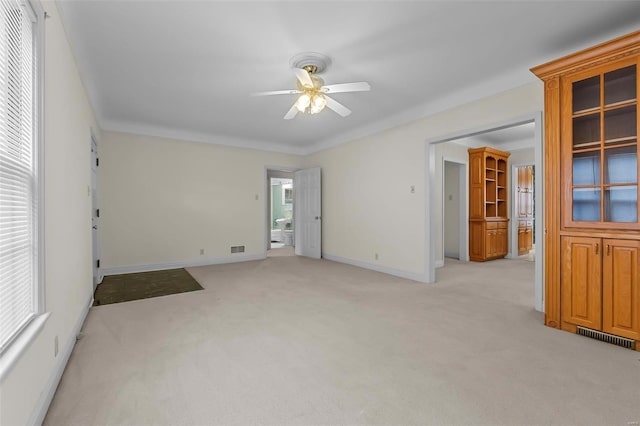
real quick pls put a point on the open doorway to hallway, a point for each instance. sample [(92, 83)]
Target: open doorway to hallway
[(521, 142)]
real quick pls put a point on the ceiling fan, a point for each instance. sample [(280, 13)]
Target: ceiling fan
[(311, 88)]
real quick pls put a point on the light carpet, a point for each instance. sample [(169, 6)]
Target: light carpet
[(291, 340)]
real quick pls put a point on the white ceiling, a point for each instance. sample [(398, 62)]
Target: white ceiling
[(185, 69)]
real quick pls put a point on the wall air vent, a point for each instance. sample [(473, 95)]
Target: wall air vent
[(605, 337), (237, 249)]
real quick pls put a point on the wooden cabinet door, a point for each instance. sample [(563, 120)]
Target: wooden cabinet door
[(581, 290), (522, 241), (620, 293), (477, 241), (491, 249), (502, 243), (529, 239)]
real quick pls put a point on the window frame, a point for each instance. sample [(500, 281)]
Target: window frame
[(23, 337)]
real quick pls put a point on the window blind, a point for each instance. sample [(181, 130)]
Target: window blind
[(18, 250)]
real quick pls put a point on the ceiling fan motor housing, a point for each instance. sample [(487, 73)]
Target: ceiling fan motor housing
[(312, 62)]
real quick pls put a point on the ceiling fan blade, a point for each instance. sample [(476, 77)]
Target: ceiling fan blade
[(337, 107), (277, 92), (291, 113), (361, 86), (304, 77)]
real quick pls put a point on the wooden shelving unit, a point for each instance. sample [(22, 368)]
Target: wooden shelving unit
[(592, 198), (488, 221)]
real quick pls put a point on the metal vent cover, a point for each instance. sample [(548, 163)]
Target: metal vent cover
[(606, 337), (237, 249)]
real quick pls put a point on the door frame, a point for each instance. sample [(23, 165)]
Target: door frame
[(269, 172), (463, 214), (430, 191), (95, 205)]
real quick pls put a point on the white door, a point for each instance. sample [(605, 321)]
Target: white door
[(308, 209), (95, 213)]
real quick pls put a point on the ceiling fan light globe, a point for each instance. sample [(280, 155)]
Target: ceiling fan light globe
[(303, 102), (319, 101)]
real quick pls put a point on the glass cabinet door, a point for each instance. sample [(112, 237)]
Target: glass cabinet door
[(604, 149)]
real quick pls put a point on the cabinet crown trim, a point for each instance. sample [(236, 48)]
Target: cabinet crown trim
[(617, 48)]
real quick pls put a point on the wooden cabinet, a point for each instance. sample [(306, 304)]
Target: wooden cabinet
[(592, 228), (620, 292), (488, 221), (600, 278), (524, 192), (582, 282)]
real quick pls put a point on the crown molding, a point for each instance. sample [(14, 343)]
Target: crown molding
[(190, 136)]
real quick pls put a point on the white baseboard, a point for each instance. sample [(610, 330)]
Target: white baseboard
[(117, 270), (378, 268), (42, 406)]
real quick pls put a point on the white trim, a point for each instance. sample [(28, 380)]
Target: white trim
[(42, 406), (14, 351), (117, 270), (41, 299), (378, 268), (439, 263), (191, 136)]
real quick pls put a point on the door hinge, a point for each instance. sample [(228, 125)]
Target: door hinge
[(97, 212), (98, 263), (97, 162)]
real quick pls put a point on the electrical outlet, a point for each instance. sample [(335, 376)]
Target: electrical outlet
[(55, 346), (376, 256), (201, 252)]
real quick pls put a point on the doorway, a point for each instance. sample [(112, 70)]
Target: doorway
[(279, 212), (435, 188), (455, 229)]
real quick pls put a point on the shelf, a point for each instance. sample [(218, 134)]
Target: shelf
[(621, 140), (607, 107), (489, 202), (587, 111), (620, 104), (586, 145)]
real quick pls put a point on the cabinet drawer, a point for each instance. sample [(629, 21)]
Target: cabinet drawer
[(492, 225)]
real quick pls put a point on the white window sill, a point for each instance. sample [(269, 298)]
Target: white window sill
[(13, 353)]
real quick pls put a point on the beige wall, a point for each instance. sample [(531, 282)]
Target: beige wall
[(451, 209), (68, 274), (163, 200), (454, 152), (367, 203)]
